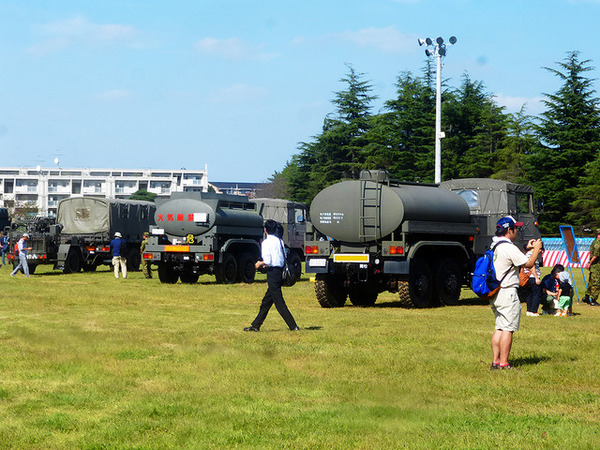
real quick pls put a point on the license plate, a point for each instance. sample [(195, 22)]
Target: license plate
[(317, 262)]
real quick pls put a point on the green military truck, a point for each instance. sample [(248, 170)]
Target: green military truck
[(88, 224), (376, 234), (199, 233), (43, 240)]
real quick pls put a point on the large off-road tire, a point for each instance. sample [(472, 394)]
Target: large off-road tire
[(245, 267), (362, 294), (226, 272), (404, 294), (420, 284), (73, 262), (166, 274), (87, 267), (295, 262), (134, 259), (189, 277), (448, 282), (330, 290)]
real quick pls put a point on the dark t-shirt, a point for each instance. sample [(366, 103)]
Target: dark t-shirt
[(549, 283)]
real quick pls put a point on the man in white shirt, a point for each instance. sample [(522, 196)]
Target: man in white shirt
[(273, 259), (506, 305)]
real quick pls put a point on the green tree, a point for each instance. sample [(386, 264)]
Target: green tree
[(569, 138), (401, 140), (518, 144), (475, 130), (143, 195), (339, 151)]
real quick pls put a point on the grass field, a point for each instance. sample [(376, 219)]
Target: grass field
[(89, 362)]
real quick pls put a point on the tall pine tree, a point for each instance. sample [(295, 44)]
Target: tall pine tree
[(569, 138)]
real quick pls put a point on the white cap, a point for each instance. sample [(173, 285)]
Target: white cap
[(25, 235), (117, 234)]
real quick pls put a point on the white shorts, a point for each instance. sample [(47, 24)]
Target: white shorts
[(507, 309)]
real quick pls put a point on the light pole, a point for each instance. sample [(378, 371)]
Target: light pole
[(437, 49)]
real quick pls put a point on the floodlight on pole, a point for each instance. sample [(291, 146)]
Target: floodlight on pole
[(438, 50)]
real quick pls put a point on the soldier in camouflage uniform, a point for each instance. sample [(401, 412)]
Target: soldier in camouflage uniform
[(593, 288), (146, 268)]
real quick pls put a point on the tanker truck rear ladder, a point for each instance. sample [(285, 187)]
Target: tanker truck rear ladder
[(370, 205)]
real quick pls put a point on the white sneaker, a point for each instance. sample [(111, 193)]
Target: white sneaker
[(532, 314)]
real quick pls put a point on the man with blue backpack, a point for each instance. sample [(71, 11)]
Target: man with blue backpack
[(505, 304)]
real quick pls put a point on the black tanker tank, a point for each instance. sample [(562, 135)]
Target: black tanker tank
[(366, 211), (199, 214)]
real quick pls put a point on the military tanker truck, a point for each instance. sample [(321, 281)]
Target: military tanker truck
[(88, 224), (199, 233), (376, 234)]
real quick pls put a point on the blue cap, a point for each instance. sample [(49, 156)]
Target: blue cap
[(508, 222)]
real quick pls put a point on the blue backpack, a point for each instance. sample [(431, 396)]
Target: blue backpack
[(484, 282)]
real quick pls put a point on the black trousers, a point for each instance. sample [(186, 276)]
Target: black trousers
[(274, 295), (534, 295)]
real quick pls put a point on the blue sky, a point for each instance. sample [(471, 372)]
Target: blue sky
[(236, 85)]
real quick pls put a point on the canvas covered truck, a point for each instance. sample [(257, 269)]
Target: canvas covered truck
[(376, 234), (88, 224), (199, 233)]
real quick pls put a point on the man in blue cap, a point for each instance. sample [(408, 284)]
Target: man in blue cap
[(506, 304)]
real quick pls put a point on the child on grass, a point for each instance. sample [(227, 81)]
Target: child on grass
[(565, 298)]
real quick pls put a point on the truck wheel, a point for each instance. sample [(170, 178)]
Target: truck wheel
[(295, 263), (166, 274), (32, 268), (72, 263), (89, 267), (330, 290), (362, 294), (420, 284), (227, 271), (134, 258), (448, 282), (189, 277), (246, 269)]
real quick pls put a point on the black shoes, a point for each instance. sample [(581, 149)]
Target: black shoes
[(258, 329), (589, 301)]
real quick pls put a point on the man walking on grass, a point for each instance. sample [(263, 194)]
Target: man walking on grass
[(505, 304), (273, 259), (22, 249)]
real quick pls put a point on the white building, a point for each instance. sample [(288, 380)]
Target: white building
[(44, 188)]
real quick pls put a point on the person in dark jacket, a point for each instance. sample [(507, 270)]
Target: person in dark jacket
[(117, 250)]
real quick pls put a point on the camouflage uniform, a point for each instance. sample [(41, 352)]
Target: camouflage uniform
[(146, 267), (593, 288)]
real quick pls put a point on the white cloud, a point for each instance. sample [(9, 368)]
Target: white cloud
[(112, 95), (232, 48), (388, 40), (78, 30), (240, 93), (533, 105)]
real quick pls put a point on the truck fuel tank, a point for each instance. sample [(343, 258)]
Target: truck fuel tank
[(361, 211), (183, 216)]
